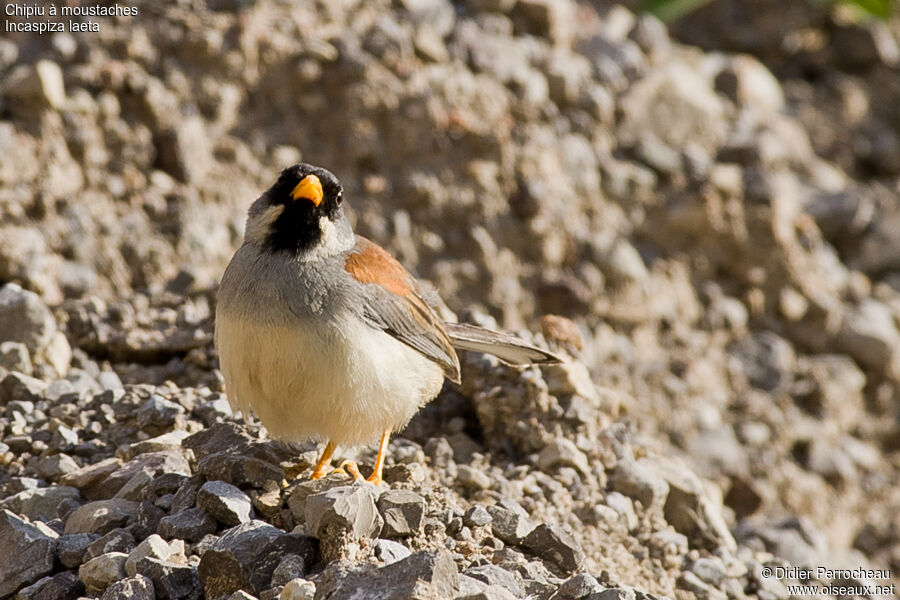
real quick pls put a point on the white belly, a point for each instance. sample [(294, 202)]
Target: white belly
[(345, 384)]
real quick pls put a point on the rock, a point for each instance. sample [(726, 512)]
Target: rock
[(25, 318), (563, 452), (239, 470), (135, 587), (868, 333), (489, 592), (554, 19), (158, 414), (34, 87), (245, 556), (390, 552), (185, 150), (402, 511), (190, 524), (710, 570), (40, 504), (495, 575), (171, 581), (425, 574), (637, 480), (55, 466), (117, 540), (26, 554), (477, 516), (14, 357), (150, 463), (298, 589), (554, 545), (153, 547), (748, 83), (472, 478), (19, 387), (290, 567), (62, 586), (225, 502), (579, 586), (510, 521), (347, 508), (72, 548), (88, 476), (98, 573), (102, 516)]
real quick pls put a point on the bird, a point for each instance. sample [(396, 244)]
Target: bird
[(324, 335)]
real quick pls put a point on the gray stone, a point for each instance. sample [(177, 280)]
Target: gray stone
[(554, 19), (62, 586), (135, 587), (624, 508), (185, 151), (291, 566), (552, 544), (239, 470), (579, 586), (153, 546), (298, 589), (477, 516), (225, 502), (151, 463), (403, 512), (14, 357), (89, 476), (489, 592), (509, 522), (18, 386), (495, 575), (190, 524), (425, 574), (171, 581), (40, 504), (117, 540), (349, 508), (72, 548), (102, 516), (25, 318), (158, 414), (34, 86), (55, 466), (710, 570), (245, 557), (563, 452), (472, 478), (390, 551), (26, 554), (98, 573), (638, 481)]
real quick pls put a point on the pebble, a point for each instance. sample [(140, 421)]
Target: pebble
[(477, 516), (117, 540), (225, 502), (153, 547), (72, 548), (425, 574), (24, 318), (171, 581), (497, 576), (390, 551), (402, 511), (239, 470), (638, 481)]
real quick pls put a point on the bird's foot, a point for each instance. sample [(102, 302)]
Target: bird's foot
[(348, 467)]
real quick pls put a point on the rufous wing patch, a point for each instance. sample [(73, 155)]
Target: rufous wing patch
[(370, 263)]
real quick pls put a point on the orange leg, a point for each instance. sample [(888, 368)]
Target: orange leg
[(375, 477), (322, 466)]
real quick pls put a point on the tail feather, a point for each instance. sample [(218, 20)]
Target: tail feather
[(508, 348)]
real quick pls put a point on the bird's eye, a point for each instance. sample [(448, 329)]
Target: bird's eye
[(340, 198)]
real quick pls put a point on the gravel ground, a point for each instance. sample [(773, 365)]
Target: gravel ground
[(711, 232)]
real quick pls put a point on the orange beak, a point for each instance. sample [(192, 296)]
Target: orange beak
[(309, 188)]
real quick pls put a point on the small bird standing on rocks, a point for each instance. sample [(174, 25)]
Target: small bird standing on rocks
[(324, 335)]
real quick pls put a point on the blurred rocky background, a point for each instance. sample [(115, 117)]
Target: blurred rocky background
[(703, 214)]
